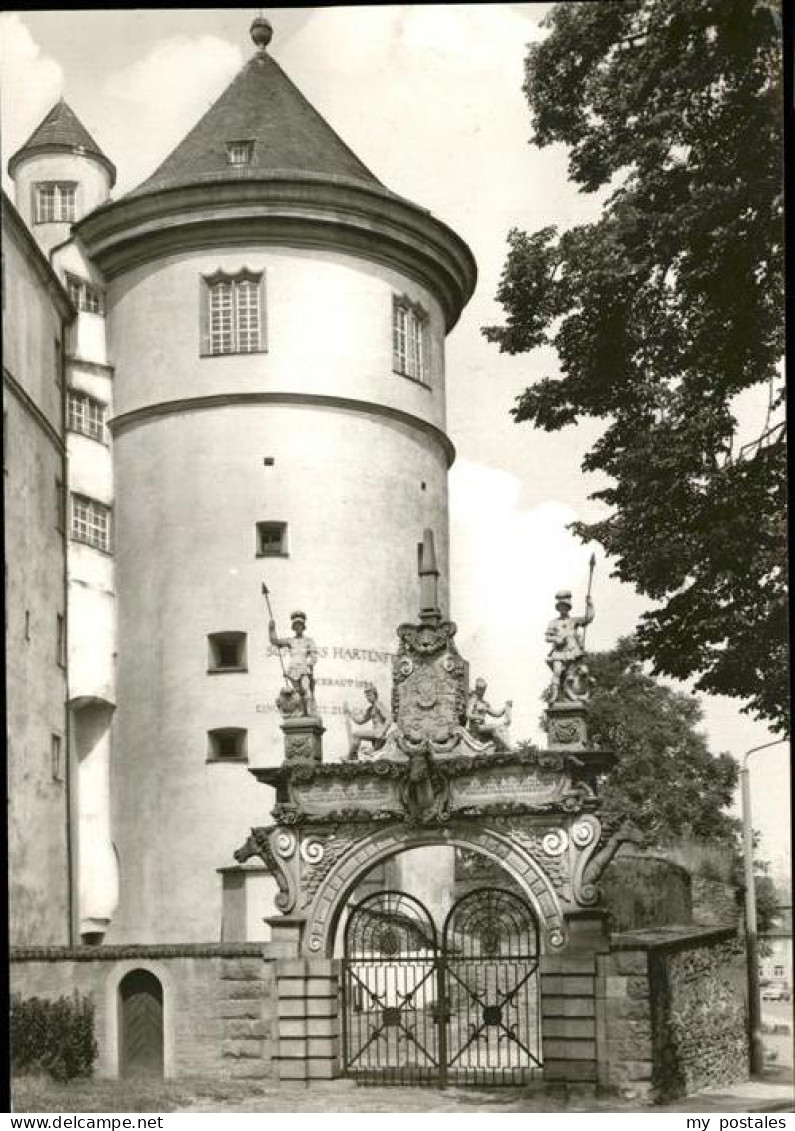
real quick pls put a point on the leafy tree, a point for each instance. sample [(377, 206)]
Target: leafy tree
[(768, 907), (665, 309), (665, 779)]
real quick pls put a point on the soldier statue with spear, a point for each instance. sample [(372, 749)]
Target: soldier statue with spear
[(566, 634), (299, 676)]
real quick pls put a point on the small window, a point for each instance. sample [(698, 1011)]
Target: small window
[(272, 540), (239, 152), (85, 415), (227, 652), (227, 744), (55, 202), (60, 640), (409, 339), (56, 749), (85, 296), (778, 971), (58, 360), (233, 314), (90, 522), (60, 507)]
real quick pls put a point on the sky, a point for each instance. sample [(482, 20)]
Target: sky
[(429, 97)]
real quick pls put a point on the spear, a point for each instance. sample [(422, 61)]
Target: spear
[(592, 565), (273, 618)]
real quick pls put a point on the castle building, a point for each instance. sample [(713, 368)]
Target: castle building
[(253, 390)]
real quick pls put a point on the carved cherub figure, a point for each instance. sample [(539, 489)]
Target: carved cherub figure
[(565, 634), (372, 724), (481, 719), (303, 657)]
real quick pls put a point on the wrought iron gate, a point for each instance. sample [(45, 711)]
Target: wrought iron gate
[(463, 1012)]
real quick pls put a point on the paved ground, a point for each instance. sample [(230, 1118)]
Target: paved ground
[(345, 1096)]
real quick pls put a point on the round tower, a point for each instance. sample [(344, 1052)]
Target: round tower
[(276, 320), (60, 175)]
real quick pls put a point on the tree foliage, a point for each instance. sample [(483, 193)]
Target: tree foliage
[(665, 309), (665, 778)]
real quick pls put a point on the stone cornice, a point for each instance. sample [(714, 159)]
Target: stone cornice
[(673, 937), (297, 212), (127, 420)]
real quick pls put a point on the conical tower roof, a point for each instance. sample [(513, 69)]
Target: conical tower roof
[(61, 130), (286, 136)]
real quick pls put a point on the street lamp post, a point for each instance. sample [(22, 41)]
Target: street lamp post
[(751, 948)]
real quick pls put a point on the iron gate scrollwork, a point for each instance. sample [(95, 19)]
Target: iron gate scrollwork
[(463, 1012)]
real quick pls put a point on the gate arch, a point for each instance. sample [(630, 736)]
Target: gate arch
[(140, 1024), (342, 877)]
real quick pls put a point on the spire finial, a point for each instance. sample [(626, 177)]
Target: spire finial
[(261, 33)]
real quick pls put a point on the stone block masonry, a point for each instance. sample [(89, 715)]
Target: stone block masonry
[(218, 1001), (307, 1041)]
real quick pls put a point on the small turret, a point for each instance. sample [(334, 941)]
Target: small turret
[(60, 175)]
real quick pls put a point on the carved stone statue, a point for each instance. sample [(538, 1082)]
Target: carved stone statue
[(372, 725), (301, 665), (565, 634), (481, 719)]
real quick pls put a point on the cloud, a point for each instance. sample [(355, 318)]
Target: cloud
[(155, 101), (506, 564), (30, 83)]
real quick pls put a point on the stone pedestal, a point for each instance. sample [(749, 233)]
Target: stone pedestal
[(303, 738), (287, 934), (568, 726)]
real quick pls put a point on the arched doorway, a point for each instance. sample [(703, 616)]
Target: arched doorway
[(140, 1025), (458, 1008)]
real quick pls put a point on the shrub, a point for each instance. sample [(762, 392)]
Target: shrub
[(56, 1037)]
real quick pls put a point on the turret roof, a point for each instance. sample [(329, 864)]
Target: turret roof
[(59, 130), (261, 105)]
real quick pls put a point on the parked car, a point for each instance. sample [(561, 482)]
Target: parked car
[(775, 992)]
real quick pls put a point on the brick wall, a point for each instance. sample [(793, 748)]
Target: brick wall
[(219, 1015)]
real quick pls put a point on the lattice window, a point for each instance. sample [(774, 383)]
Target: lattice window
[(234, 314), (409, 339), (55, 202), (84, 295), (86, 415), (91, 522)]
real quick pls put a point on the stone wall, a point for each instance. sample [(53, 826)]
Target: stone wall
[(219, 1014), (698, 1017), (646, 891), (714, 902), (675, 1011)]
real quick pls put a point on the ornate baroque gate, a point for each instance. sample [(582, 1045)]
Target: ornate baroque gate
[(465, 1011)]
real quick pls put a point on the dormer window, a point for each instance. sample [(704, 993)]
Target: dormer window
[(233, 313), (55, 202), (239, 152)]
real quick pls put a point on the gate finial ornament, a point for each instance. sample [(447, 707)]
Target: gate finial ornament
[(430, 613)]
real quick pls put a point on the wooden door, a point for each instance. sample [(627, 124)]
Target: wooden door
[(140, 1025)]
